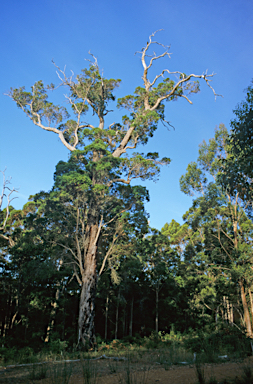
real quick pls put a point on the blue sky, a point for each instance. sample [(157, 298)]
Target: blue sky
[(214, 35)]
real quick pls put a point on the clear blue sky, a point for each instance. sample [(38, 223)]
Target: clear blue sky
[(214, 35)]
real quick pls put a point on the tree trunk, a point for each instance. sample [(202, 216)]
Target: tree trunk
[(225, 308), (124, 322), (228, 310), (245, 310), (54, 306), (230, 313), (106, 315), (117, 318), (251, 305), (52, 315), (5, 326), (156, 308), (7, 317), (86, 329), (131, 318)]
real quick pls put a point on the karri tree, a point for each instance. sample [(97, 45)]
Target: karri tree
[(107, 150)]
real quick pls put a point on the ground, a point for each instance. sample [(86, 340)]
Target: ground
[(114, 372)]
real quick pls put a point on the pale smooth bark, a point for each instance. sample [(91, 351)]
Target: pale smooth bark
[(228, 310), (86, 331), (245, 310), (251, 305), (52, 315), (6, 193), (54, 308)]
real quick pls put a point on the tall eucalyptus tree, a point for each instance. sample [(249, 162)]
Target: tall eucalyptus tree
[(107, 149)]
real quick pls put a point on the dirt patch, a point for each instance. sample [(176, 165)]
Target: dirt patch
[(114, 373)]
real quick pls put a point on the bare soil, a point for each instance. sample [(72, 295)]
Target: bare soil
[(114, 373)]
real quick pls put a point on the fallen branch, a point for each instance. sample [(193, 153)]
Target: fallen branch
[(66, 361)]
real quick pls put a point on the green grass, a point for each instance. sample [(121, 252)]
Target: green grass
[(90, 371), (37, 372), (60, 373), (130, 376), (162, 349)]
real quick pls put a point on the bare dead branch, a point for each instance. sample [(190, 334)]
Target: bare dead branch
[(4, 194), (185, 79), (181, 82), (65, 247), (95, 62), (99, 230), (107, 254), (64, 79)]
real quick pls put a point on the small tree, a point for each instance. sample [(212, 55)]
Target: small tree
[(106, 150)]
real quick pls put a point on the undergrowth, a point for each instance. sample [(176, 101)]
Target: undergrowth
[(158, 349)]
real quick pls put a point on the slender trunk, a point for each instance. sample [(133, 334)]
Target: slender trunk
[(156, 308), (106, 315), (52, 315), (228, 310), (7, 316), (13, 319), (217, 313), (117, 318), (245, 310), (63, 322), (124, 322), (131, 318), (230, 313), (5, 326), (251, 305), (225, 308), (54, 307)]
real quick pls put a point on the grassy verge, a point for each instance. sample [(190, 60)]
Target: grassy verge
[(138, 354)]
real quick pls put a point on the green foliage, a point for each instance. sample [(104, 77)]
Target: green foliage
[(236, 168), (193, 180), (220, 232), (57, 346), (8, 354), (226, 341)]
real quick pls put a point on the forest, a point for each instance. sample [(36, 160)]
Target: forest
[(80, 265)]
